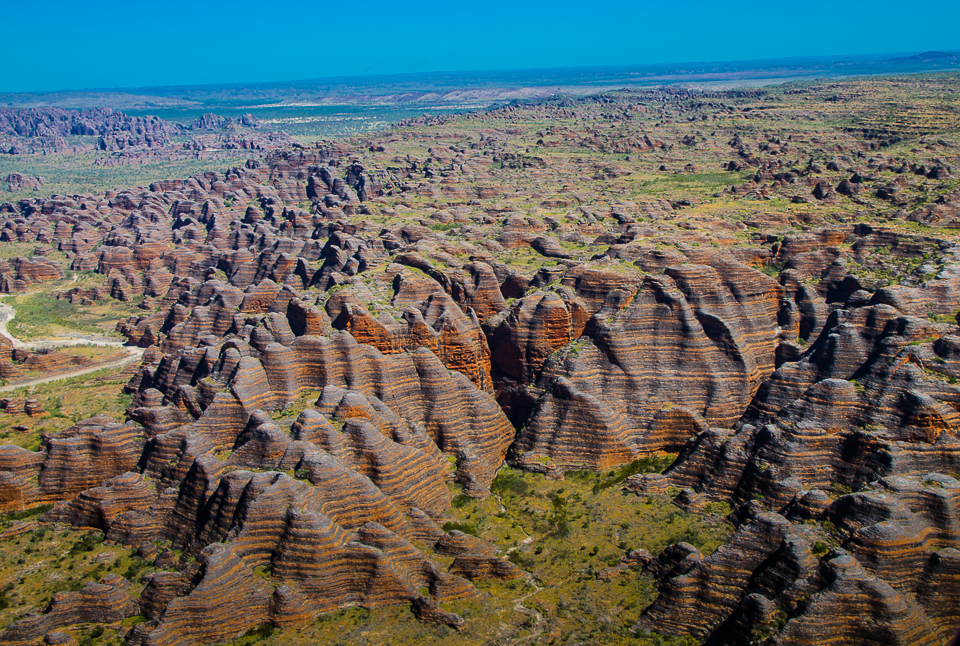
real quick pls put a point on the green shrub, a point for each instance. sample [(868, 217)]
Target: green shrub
[(509, 483), (91, 637), (561, 529), (718, 508), (26, 513), (523, 562), (87, 543), (135, 570), (4, 601), (466, 528), (649, 464), (772, 270), (260, 633)]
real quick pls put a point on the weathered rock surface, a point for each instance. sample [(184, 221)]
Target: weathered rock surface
[(105, 602), (623, 389), (336, 333)]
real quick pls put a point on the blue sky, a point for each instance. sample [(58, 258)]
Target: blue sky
[(72, 45)]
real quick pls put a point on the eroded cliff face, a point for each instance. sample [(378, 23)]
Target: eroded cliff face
[(326, 503), (339, 340), (868, 408), (681, 351)]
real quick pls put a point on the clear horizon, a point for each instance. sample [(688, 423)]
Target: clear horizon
[(140, 47), (440, 73)]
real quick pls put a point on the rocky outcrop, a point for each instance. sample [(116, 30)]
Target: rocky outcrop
[(336, 333), (278, 518), (860, 410), (19, 182), (775, 580), (621, 390), (322, 509), (106, 601), (46, 130), (80, 457), (18, 273), (459, 419)]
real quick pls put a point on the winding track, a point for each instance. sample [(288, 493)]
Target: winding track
[(8, 313)]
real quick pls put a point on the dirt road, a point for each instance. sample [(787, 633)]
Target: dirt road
[(8, 313)]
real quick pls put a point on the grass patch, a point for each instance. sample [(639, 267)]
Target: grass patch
[(6, 519), (526, 260), (565, 532), (68, 401), (466, 528), (304, 401), (650, 464), (40, 316), (575, 533), (36, 565)]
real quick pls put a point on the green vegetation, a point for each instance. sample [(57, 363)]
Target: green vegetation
[(287, 416), (137, 568), (563, 533), (7, 519), (466, 528), (445, 226), (17, 249), (91, 636), (650, 464), (492, 618), (667, 185), (36, 565), (40, 316), (773, 270), (526, 260), (254, 635), (67, 174), (68, 401), (87, 543)]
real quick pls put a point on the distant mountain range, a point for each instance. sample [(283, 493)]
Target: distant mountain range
[(938, 59), (486, 87)]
